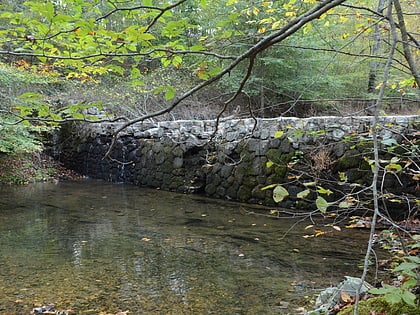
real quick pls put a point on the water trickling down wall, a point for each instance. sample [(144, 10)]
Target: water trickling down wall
[(241, 156)]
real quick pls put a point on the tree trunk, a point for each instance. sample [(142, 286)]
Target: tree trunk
[(406, 47), (375, 50)]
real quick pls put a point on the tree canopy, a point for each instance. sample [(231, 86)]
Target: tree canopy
[(276, 51)]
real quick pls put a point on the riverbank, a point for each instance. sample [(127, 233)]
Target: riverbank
[(32, 167)]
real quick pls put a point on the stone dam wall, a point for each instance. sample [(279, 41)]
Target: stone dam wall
[(240, 157)]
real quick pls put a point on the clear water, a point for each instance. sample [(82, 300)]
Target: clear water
[(98, 248)]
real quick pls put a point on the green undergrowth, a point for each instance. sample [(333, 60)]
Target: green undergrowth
[(379, 305)]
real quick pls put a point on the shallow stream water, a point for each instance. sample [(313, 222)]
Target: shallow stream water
[(99, 248)]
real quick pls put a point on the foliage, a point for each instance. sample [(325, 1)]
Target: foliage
[(406, 269), (325, 58), (379, 305), (398, 159), (17, 139)]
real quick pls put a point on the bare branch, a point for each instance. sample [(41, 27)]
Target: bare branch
[(375, 194), (234, 96), (103, 54), (263, 44), (20, 119)]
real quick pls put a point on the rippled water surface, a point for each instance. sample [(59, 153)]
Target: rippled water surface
[(98, 248)]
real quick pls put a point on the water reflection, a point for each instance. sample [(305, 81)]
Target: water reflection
[(98, 248)]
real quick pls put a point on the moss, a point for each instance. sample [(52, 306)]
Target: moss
[(379, 305), (281, 171), (278, 157), (244, 193), (348, 161), (275, 179)]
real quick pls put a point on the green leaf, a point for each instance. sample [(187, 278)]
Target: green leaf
[(415, 259), (78, 116), (30, 96), (394, 297), (409, 298), (135, 73), (176, 61), (392, 167), (303, 194), (344, 205), (279, 193), (269, 164), (407, 268), (411, 283), (386, 289), (321, 204), (269, 186), (170, 93), (323, 191), (145, 36)]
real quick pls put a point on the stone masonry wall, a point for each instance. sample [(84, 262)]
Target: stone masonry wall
[(241, 156)]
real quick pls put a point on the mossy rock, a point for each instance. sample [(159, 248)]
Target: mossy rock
[(348, 161), (278, 157), (379, 305), (281, 171)]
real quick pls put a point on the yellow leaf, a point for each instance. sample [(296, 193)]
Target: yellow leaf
[(278, 134), (319, 233), (261, 30), (276, 25)]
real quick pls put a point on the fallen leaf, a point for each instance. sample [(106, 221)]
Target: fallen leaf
[(345, 297)]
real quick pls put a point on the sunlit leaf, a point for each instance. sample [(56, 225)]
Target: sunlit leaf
[(278, 134), (319, 233), (345, 297), (279, 193), (323, 191), (344, 205), (30, 96), (303, 194), (321, 204), (269, 186), (392, 167)]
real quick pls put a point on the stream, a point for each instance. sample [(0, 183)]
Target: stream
[(99, 248)]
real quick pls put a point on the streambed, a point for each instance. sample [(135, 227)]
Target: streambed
[(99, 248)]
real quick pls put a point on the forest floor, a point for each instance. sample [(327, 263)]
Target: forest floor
[(32, 167)]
